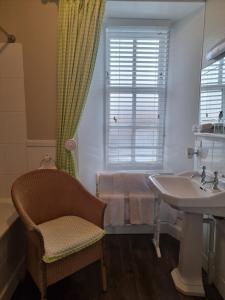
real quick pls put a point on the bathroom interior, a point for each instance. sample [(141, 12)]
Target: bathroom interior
[(136, 117)]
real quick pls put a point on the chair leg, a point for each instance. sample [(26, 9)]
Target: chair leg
[(44, 294), (104, 276), (43, 289)]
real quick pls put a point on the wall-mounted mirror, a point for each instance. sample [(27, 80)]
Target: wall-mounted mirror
[(212, 100)]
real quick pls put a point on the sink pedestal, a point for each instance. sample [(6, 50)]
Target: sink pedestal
[(187, 276)]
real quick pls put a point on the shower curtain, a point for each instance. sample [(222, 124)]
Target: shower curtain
[(79, 27)]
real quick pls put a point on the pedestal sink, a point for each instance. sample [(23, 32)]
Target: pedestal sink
[(186, 193)]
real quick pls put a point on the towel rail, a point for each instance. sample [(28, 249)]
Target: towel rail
[(10, 37)]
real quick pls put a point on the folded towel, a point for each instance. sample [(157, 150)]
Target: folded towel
[(115, 210), (141, 208)]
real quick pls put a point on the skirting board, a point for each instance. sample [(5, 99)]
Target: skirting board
[(11, 285)]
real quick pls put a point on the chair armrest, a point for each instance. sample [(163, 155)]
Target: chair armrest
[(89, 207), (94, 210)]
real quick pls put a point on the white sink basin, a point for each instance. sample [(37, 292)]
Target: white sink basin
[(187, 194)]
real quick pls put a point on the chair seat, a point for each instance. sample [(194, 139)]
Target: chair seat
[(66, 235)]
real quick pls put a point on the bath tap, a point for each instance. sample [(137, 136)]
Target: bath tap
[(202, 175)]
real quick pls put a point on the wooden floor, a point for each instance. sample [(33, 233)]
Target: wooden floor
[(134, 273)]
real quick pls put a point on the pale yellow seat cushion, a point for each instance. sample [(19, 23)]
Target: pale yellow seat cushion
[(66, 235)]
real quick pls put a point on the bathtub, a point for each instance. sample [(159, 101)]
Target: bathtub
[(12, 249)]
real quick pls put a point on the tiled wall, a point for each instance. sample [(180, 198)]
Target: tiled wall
[(214, 150), (214, 160), (13, 157), (36, 151)]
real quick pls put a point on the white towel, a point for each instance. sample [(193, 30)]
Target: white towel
[(141, 208), (128, 197), (114, 213)]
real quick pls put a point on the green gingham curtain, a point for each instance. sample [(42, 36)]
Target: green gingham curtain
[(79, 28)]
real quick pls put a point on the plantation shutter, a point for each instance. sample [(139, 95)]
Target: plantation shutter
[(212, 92), (137, 62)]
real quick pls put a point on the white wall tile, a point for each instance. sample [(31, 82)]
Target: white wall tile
[(36, 154), (208, 160), (218, 156), (13, 158), (6, 181), (11, 61), (12, 127), (215, 160), (12, 96)]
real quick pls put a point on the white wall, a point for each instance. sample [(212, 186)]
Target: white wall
[(184, 74), (90, 135), (183, 90)]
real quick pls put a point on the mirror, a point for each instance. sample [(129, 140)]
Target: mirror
[(212, 99)]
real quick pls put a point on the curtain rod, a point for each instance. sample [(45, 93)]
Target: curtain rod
[(10, 37)]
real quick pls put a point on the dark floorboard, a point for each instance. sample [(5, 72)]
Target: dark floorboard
[(134, 273)]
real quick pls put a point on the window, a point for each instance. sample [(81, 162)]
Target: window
[(212, 92), (136, 88)]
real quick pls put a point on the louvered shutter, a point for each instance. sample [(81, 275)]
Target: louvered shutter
[(212, 92), (137, 62)]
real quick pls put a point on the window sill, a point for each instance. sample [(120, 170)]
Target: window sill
[(210, 135)]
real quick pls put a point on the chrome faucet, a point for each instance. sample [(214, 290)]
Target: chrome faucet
[(203, 175), (215, 181)]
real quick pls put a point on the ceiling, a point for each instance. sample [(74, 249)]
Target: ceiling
[(172, 11)]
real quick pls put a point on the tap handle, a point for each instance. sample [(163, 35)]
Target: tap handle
[(216, 181), (203, 175), (203, 170)]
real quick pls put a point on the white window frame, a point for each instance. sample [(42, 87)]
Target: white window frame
[(140, 165)]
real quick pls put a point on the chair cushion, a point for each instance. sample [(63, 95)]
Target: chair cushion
[(66, 235)]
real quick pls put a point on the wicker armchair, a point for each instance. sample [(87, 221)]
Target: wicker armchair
[(64, 226)]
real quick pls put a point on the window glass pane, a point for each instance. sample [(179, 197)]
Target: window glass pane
[(146, 155), (120, 138), (147, 138), (147, 109)]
